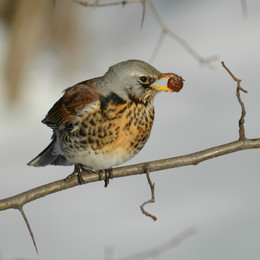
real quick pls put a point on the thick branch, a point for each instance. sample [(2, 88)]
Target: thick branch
[(21, 199)]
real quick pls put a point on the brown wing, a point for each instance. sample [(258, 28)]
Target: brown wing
[(73, 100)]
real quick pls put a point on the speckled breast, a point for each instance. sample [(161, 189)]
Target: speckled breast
[(108, 135)]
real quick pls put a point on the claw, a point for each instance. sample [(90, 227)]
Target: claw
[(77, 172), (108, 175)]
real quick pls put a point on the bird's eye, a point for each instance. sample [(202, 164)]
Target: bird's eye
[(144, 79)]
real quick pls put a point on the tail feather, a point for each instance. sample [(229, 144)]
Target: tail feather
[(47, 156)]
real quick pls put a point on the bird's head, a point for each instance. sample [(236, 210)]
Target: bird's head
[(133, 78)]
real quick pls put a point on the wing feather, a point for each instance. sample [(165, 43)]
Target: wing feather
[(74, 99)]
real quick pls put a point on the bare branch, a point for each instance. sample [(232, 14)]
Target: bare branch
[(123, 3), (243, 112), (180, 40), (158, 45), (143, 14), (242, 135), (97, 4), (21, 199), (234, 77), (29, 228), (150, 200)]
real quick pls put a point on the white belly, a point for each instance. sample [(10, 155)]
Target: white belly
[(94, 160)]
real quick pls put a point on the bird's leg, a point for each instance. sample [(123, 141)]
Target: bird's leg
[(79, 175), (108, 175), (77, 172)]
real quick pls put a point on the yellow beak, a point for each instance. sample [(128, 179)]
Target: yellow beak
[(174, 84)]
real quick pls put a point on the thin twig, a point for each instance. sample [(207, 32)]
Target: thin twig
[(143, 14), (158, 45), (123, 3), (242, 135), (180, 40), (29, 228), (234, 77), (241, 122), (152, 200)]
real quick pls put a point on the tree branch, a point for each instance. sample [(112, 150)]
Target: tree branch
[(123, 3), (29, 228), (23, 198)]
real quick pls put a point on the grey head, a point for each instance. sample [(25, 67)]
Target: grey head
[(129, 78)]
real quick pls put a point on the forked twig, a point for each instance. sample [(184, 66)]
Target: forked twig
[(152, 197), (234, 77), (241, 121)]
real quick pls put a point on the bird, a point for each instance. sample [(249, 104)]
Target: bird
[(105, 121)]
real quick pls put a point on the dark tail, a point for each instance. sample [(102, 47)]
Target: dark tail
[(48, 156)]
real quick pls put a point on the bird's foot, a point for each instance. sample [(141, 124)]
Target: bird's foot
[(108, 175), (78, 171)]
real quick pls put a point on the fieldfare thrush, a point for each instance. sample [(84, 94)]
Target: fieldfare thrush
[(105, 121)]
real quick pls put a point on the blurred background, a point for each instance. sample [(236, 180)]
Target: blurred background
[(47, 46)]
